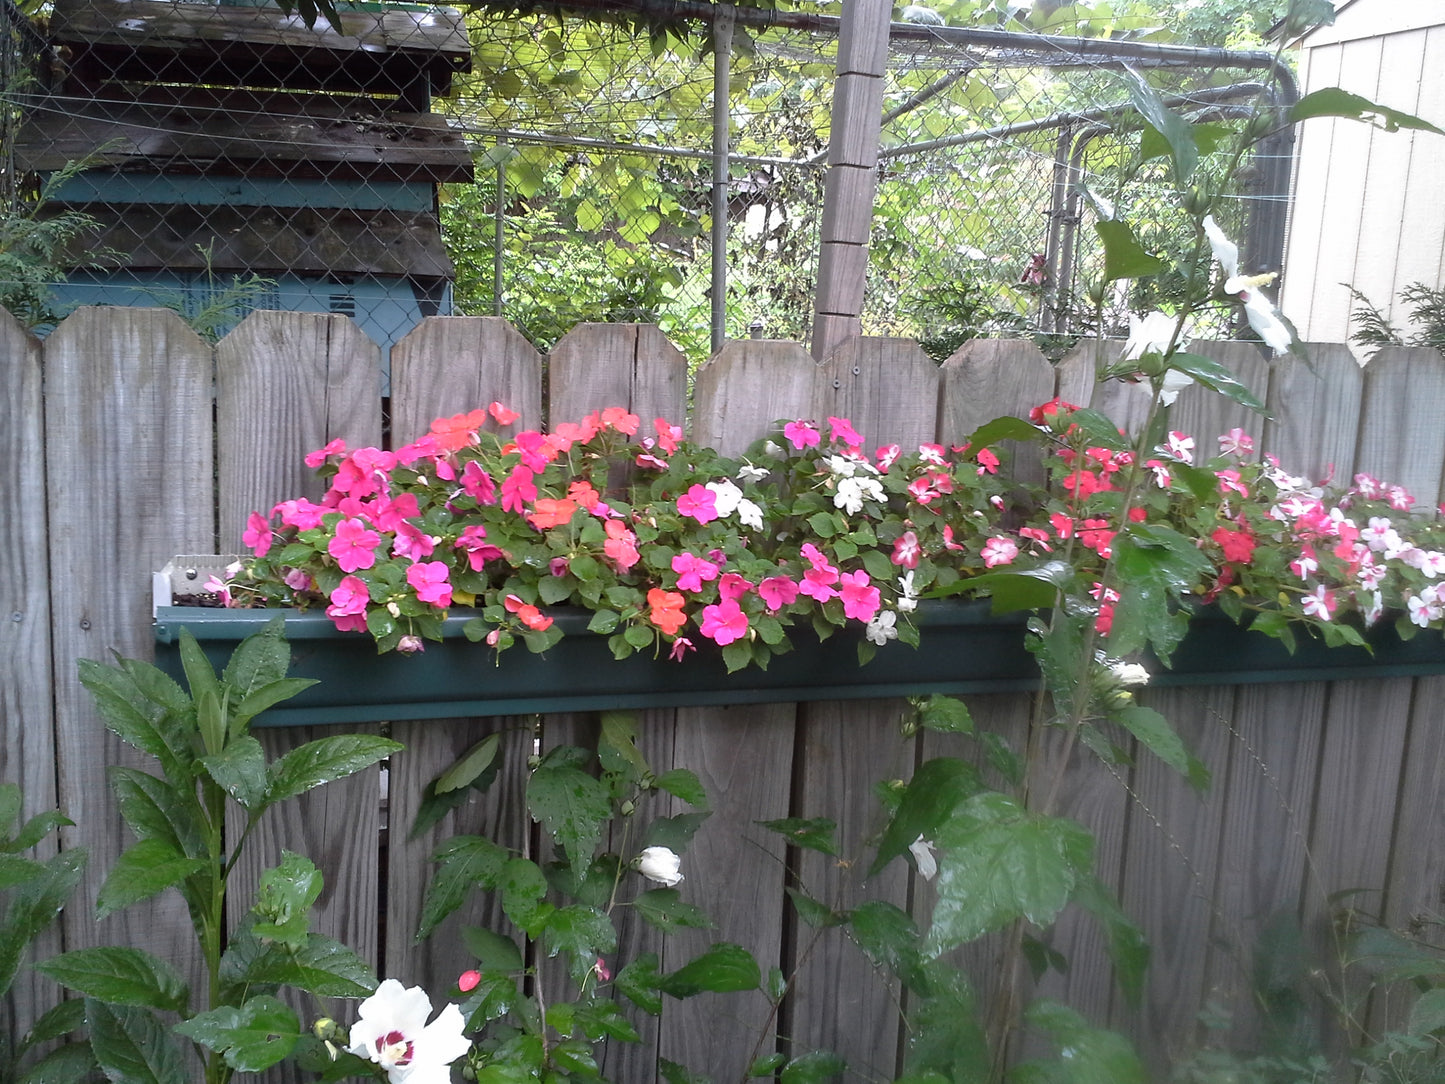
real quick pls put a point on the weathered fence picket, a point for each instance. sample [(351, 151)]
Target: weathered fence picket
[(1317, 787)]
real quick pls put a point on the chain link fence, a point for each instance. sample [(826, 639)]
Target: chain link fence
[(414, 160)]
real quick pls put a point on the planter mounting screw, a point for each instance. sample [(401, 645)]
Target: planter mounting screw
[(85, 624), (17, 617), (190, 573)]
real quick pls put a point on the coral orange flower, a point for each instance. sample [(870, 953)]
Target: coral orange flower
[(459, 430), (666, 610), (551, 512)]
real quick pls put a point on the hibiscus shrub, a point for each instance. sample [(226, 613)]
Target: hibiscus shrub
[(667, 542)]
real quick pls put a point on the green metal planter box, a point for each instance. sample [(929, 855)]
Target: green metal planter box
[(964, 649)]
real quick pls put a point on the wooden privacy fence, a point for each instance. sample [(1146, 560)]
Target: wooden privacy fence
[(111, 464)]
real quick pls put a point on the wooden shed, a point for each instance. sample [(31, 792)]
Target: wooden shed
[(1369, 205), (228, 140)]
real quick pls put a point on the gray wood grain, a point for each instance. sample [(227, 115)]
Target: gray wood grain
[(1400, 421), (27, 724), (129, 462), (287, 383), (452, 364), (1205, 415), (1315, 415), (887, 388), (595, 366), (745, 388)]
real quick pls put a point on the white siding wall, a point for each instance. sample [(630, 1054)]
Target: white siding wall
[(1369, 205)]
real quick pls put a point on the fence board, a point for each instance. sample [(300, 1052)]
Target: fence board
[(286, 384), (595, 366), (1169, 863), (27, 726), (1315, 413), (748, 379), (1400, 420), (885, 387), (128, 444), (1204, 414), (989, 377), (319, 378), (450, 364)]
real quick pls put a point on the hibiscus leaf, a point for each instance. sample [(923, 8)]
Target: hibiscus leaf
[(1127, 948), (572, 806), (325, 760), (467, 862), (1217, 378), (1155, 734), (721, 969), (470, 766), (814, 912), (999, 862), (121, 976), (666, 909), (684, 784), (1095, 1056), (132, 1045), (1177, 131), (1124, 257), (252, 1037), (141, 871), (320, 966), (639, 982), (1335, 102), (492, 950), (928, 800), (675, 832), (581, 932), (814, 1067), (814, 834), (1025, 589), (1006, 427)]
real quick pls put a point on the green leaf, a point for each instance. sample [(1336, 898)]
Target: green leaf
[(1177, 131), (267, 696), (823, 524), (814, 912), (1124, 257), (469, 766), (467, 862), (284, 898), (1127, 948), (141, 871), (1216, 377), (259, 659), (813, 1067), (673, 1073), (947, 1037), (945, 714), (11, 799), (767, 1065), (1002, 428), (73, 1063), (321, 966), (674, 833), (56, 1023), (639, 983), (665, 909), (523, 886), (999, 862), (1334, 102), (240, 770), (721, 969), (683, 784), (1161, 739), (34, 906), (929, 799), (572, 806), (324, 760), (1093, 1055), (493, 951), (1427, 1015), (886, 933), (131, 1045), (1028, 589), (253, 1037), (619, 736), (16, 870), (122, 976), (584, 932), (200, 675), (813, 834), (136, 720), (153, 810)]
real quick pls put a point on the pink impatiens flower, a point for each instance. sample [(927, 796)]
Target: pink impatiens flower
[(724, 622), (257, 534), (843, 432), (348, 605), (906, 550), (429, 580), (1319, 603), (699, 502), (802, 435), (354, 545), (999, 550), (777, 592), (692, 570), (860, 598)]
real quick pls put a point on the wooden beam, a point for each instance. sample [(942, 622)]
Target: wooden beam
[(202, 42), (852, 173), (266, 239), (327, 138)]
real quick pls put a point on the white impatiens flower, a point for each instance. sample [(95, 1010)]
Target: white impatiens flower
[(750, 473), (882, 627), (907, 593), (852, 492), (393, 1032), (750, 515), (726, 497), (659, 864), (1258, 308)]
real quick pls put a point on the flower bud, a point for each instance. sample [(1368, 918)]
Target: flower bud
[(1198, 200), (324, 1029), (628, 807), (659, 864), (468, 980)]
